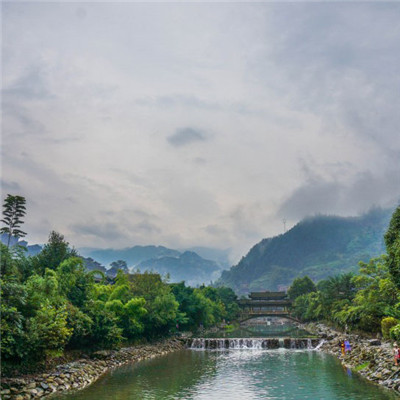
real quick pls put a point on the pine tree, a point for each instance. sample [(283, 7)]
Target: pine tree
[(13, 210)]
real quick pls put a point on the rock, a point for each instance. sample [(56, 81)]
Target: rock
[(374, 342), (31, 385), (102, 354), (81, 373)]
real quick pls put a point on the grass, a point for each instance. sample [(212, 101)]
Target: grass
[(361, 366), (230, 327)]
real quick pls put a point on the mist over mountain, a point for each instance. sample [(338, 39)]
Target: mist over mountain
[(31, 250), (220, 256), (188, 267), (132, 255), (319, 247)]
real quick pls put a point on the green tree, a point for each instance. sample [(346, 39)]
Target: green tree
[(333, 291), (301, 286), (54, 252), (392, 241), (119, 265), (13, 211), (47, 331), (375, 294)]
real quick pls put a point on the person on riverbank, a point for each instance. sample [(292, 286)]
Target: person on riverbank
[(396, 353), (342, 347), (347, 346)]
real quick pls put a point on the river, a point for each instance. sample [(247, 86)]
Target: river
[(235, 375)]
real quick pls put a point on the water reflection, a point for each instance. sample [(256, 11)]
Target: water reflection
[(234, 375)]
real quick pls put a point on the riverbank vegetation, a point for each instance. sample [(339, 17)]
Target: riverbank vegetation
[(368, 301), (50, 303)]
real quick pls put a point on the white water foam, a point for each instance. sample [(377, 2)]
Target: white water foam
[(252, 343)]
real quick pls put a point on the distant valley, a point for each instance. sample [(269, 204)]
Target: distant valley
[(186, 265)]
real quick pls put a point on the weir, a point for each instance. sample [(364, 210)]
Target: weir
[(252, 343)]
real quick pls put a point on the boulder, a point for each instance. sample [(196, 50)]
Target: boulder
[(374, 342)]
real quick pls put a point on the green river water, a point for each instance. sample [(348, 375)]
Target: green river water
[(235, 375)]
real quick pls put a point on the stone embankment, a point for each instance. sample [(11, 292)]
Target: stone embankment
[(371, 358), (81, 373)]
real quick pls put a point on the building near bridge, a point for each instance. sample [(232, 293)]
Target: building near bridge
[(266, 304)]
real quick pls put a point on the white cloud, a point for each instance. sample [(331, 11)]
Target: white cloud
[(251, 92)]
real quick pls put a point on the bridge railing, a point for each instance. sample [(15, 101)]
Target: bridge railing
[(266, 312)]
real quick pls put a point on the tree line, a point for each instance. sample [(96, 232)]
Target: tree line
[(50, 303), (368, 301)]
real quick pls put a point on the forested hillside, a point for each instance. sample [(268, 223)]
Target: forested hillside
[(319, 247)]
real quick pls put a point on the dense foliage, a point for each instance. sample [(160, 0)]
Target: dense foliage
[(301, 286), (50, 302), (318, 247), (368, 301)]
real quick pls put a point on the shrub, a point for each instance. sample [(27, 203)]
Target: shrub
[(395, 332), (387, 324)]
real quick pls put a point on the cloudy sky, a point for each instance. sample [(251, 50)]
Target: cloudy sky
[(197, 123)]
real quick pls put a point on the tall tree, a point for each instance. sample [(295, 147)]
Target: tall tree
[(13, 210), (301, 286), (392, 241), (54, 252)]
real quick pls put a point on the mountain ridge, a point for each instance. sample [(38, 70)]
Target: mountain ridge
[(317, 246)]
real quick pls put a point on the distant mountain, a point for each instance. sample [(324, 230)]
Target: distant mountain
[(31, 250), (4, 239), (188, 267), (220, 256), (132, 255), (319, 247)]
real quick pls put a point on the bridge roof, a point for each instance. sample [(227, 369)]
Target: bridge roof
[(259, 303), (267, 295)]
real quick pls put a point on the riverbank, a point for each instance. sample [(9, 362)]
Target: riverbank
[(81, 373), (371, 358)]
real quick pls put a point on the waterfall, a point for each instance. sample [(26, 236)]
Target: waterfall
[(239, 343), (319, 344), (253, 343)]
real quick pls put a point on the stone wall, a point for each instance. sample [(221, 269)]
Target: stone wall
[(371, 358), (81, 373)]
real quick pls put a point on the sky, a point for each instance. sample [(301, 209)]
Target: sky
[(197, 123)]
